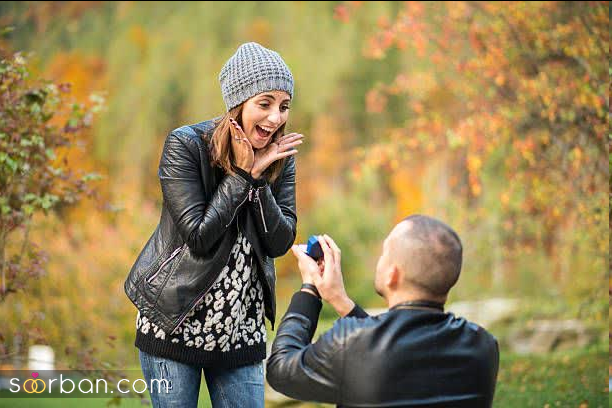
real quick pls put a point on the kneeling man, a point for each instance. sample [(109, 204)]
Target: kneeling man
[(414, 355)]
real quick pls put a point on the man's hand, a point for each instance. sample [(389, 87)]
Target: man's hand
[(306, 264), (331, 284)]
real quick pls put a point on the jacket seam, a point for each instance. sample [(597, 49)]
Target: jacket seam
[(151, 305), (185, 140), (154, 263), (172, 270)]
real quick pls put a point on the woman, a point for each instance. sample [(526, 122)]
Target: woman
[(205, 280)]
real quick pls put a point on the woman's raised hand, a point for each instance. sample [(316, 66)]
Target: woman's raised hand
[(241, 147), (283, 147)]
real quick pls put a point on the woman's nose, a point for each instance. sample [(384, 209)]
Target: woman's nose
[(275, 118)]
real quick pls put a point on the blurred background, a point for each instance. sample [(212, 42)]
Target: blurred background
[(492, 116)]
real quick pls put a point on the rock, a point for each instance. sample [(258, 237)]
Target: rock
[(482, 312), (485, 312), (543, 336)]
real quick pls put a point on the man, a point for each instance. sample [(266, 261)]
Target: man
[(414, 355)]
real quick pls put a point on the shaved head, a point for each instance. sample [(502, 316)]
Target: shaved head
[(428, 252)]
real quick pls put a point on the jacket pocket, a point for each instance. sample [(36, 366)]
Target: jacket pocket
[(156, 272), (155, 282)]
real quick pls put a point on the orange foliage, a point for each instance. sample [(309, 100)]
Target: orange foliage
[(521, 83), (406, 186), (85, 75), (319, 169)]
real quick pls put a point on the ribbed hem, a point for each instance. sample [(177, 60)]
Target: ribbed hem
[(197, 356)]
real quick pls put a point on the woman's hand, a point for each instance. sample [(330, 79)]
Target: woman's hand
[(242, 149), (276, 150)]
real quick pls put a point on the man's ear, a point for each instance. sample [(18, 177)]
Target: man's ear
[(394, 277)]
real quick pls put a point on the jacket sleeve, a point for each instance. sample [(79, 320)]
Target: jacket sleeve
[(301, 369), (275, 215), (357, 312), (199, 222)]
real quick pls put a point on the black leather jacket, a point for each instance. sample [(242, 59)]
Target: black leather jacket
[(402, 358), (196, 231)]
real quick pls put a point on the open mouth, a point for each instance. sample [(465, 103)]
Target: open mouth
[(263, 133)]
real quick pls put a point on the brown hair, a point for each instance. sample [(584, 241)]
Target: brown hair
[(221, 146)]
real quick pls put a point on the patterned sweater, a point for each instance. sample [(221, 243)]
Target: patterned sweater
[(226, 328)]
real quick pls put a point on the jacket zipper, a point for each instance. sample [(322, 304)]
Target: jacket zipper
[(182, 319), (189, 310), (263, 220), (250, 198), (172, 255), (236, 210)]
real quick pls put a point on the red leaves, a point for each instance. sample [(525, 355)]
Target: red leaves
[(376, 102), (341, 13)]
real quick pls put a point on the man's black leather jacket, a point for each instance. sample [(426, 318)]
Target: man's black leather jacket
[(196, 231), (402, 358)]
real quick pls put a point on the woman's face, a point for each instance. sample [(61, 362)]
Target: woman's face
[(263, 114)]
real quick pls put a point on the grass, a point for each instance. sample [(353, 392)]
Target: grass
[(203, 401), (576, 378)]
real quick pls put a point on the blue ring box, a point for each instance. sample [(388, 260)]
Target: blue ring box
[(313, 248)]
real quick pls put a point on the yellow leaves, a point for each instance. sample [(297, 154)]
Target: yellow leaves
[(406, 186), (504, 198), (500, 79), (526, 149), (85, 74), (474, 163), (260, 30), (576, 156), (138, 36), (475, 186)]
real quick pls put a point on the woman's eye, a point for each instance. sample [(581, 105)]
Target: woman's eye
[(264, 105), (284, 108)]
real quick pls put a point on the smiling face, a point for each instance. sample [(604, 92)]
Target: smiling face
[(263, 114)]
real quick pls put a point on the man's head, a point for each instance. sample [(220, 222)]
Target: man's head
[(421, 257)]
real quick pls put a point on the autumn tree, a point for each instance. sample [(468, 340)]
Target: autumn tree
[(38, 123), (517, 86)]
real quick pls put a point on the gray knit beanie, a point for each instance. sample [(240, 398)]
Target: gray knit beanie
[(253, 69)]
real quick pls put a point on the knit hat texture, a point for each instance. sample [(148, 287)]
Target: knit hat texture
[(253, 69)]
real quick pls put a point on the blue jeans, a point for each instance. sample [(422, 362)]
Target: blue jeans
[(228, 387)]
